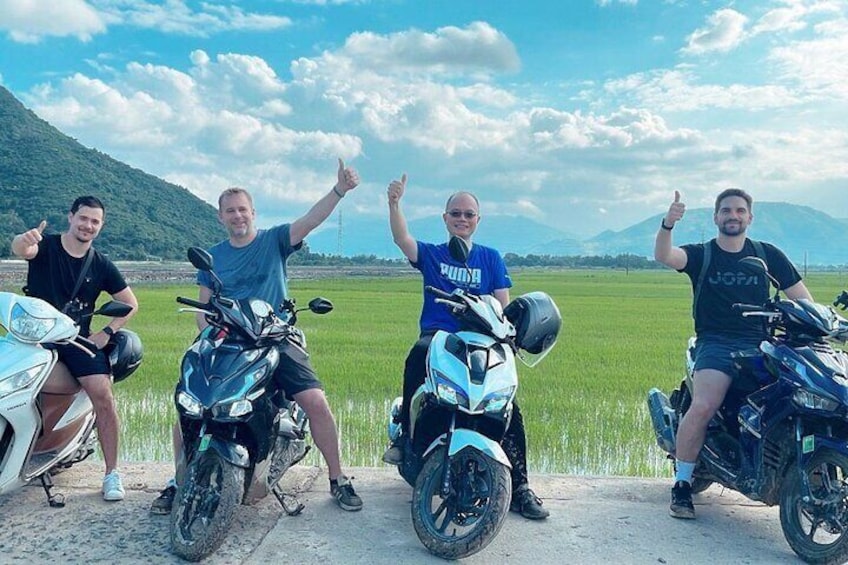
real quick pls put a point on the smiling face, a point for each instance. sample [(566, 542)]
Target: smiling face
[(462, 215), (733, 216), (85, 224), (236, 213)]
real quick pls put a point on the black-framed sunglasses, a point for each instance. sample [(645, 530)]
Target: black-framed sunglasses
[(469, 214)]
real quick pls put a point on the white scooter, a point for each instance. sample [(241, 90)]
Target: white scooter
[(46, 419)]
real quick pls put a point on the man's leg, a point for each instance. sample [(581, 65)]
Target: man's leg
[(524, 500), (322, 424), (711, 386), (99, 390), (413, 377)]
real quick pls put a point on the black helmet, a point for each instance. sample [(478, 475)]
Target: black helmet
[(537, 322), (125, 352)]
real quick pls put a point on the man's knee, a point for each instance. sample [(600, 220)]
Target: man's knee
[(99, 390), (313, 401)]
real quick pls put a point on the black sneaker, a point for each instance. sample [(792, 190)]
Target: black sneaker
[(681, 501), (164, 502), (342, 491), (526, 503), (393, 455)]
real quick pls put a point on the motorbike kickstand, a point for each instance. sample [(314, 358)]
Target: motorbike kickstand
[(291, 505), (54, 500)]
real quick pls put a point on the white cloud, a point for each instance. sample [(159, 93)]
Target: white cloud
[(28, 22), (724, 31)]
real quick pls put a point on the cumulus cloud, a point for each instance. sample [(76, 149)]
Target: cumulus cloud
[(724, 31), (28, 22)]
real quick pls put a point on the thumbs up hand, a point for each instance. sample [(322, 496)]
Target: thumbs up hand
[(675, 211), (33, 236)]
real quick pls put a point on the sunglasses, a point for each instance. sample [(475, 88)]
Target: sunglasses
[(469, 214)]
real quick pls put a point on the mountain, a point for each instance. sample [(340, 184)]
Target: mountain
[(371, 235), (806, 235), (42, 171)]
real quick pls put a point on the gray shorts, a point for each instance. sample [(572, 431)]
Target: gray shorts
[(714, 352), (295, 374)]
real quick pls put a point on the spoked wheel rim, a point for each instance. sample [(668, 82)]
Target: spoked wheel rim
[(457, 515)]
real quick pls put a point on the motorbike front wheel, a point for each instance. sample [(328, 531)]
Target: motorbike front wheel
[(469, 517), (204, 505), (817, 528)]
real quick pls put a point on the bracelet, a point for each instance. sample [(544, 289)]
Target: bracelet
[(665, 227), (339, 194), (108, 331)]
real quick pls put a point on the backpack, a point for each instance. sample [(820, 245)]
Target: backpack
[(759, 251)]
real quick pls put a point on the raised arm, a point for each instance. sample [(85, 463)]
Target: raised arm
[(25, 245), (348, 179), (397, 221), (664, 251)]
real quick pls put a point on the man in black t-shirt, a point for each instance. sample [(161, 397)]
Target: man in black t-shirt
[(54, 265), (719, 329)]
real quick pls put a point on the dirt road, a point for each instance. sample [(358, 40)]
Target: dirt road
[(593, 520)]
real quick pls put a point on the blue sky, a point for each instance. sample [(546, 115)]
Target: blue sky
[(585, 115)]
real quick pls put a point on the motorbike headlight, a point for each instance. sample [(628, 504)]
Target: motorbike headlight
[(813, 401), (240, 408), (27, 327), (20, 380), (190, 404), (498, 400), (447, 392)]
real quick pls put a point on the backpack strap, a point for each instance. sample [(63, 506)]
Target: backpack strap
[(89, 256), (708, 251)]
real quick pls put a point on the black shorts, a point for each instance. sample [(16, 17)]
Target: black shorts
[(714, 352), (295, 374), (80, 364)]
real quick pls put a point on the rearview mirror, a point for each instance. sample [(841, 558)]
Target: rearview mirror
[(200, 258), (114, 309), (320, 305), (458, 249)]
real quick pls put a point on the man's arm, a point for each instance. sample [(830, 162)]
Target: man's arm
[(127, 296), (798, 290), (502, 294), (397, 221), (205, 295), (664, 251), (348, 179), (25, 245)]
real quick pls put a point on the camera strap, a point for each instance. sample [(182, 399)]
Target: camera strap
[(89, 257)]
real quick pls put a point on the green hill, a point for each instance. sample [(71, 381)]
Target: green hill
[(42, 171)]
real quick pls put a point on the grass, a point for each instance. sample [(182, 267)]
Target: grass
[(584, 405)]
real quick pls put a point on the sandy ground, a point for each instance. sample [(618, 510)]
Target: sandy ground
[(593, 520)]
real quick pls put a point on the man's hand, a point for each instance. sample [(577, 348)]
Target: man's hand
[(675, 211), (100, 339), (33, 236), (348, 178), (395, 190)]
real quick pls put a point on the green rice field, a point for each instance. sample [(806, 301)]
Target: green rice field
[(584, 405)]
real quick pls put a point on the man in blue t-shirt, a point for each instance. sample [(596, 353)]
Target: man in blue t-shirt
[(486, 274), (252, 264), (719, 329)]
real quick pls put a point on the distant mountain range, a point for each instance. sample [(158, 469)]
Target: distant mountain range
[(806, 235), (42, 170)]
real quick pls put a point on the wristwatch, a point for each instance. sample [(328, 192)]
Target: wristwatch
[(665, 227), (109, 331)]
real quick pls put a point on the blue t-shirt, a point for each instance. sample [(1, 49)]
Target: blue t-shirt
[(257, 270), (439, 269)]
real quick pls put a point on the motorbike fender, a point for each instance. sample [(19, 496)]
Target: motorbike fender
[(488, 447), (229, 451)]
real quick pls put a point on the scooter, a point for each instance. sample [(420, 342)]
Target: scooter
[(780, 436), (453, 459), (47, 422), (240, 434)]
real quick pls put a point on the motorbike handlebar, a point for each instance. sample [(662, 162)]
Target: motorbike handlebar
[(193, 303), (437, 291), (740, 307)]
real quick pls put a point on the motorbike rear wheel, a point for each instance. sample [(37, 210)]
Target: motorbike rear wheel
[(817, 530), (204, 505), (471, 515)]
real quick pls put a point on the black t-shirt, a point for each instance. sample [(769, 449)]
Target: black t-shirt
[(726, 283), (53, 273)]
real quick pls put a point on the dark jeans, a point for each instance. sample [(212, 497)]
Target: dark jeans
[(515, 440)]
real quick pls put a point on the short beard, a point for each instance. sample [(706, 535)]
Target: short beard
[(741, 231)]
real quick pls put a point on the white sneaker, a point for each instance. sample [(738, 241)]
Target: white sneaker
[(112, 488)]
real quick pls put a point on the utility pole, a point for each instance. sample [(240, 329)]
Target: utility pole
[(339, 247)]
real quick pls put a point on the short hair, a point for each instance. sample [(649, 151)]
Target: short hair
[(87, 201), (460, 193), (233, 191), (734, 192)]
